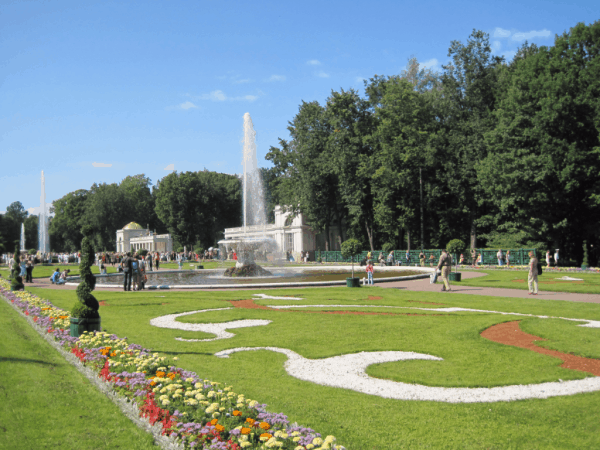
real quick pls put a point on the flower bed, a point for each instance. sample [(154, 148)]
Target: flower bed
[(194, 412)]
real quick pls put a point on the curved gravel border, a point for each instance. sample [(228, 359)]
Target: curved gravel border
[(170, 321), (348, 372), (130, 409)]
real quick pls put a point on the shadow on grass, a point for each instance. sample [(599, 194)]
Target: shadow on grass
[(25, 360)]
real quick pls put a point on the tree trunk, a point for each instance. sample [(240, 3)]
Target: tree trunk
[(370, 235), (408, 240), (327, 237), (473, 232)]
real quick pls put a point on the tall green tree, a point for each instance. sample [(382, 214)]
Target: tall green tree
[(197, 206), (65, 227), (468, 99), (543, 169), (31, 232)]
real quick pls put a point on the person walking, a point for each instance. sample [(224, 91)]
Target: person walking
[(499, 255), (422, 259), (508, 257), (548, 258), (370, 270), (29, 275), (445, 263), (556, 258), (127, 272), (532, 278)]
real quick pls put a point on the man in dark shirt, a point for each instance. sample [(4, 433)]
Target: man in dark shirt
[(127, 272)]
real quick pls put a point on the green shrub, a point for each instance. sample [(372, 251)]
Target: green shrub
[(199, 250), (143, 252), (16, 282), (32, 251), (87, 305), (585, 263), (455, 246), (179, 249)]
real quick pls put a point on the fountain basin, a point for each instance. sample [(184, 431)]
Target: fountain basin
[(283, 277)]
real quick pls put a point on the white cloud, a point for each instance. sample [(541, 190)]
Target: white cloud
[(313, 62), (323, 75), (97, 164), (220, 96), (37, 209), (496, 46), (530, 35), (170, 167), (501, 33), (187, 105), (432, 63), (509, 55), (277, 78)]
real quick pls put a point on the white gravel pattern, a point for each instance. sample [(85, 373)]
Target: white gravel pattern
[(265, 296), (588, 323), (348, 372), (219, 329)]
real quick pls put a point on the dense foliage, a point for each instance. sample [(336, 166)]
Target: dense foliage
[(488, 152)]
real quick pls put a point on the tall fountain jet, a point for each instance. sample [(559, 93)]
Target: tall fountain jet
[(253, 192), (44, 240), (22, 237)]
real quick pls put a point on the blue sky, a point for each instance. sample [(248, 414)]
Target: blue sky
[(94, 91)]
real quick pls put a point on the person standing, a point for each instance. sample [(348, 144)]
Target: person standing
[(445, 263), (508, 257), (127, 272), (149, 261), (407, 258), (422, 259), (29, 275), (532, 278), (390, 258), (556, 258), (499, 255), (547, 258), (370, 270)]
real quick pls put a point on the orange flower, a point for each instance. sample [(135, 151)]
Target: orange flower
[(153, 383), (265, 426), (113, 354), (250, 420), (220, 428), (171, 375), (160, 374), (266, 435), (236, 412), (214, 422), (245, 430)]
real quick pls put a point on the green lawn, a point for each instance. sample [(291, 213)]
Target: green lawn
[(47, 403), (40, 271), (548, 281), (362, 421)]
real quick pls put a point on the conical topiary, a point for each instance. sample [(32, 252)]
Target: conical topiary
[(16, 282), (87, 305)]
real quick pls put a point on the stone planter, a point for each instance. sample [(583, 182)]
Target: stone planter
[(79, 325), (455, 276), (353, 282)]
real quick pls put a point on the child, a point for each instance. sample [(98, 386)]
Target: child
[(370, 270)]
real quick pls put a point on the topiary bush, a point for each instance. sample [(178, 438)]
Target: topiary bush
[(585, 263), (143, 252), (350, 249), (16, 282), (455, 246), (87, 306)]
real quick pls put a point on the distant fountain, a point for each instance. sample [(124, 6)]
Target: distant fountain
[(23, 237), (253, 212), (44, 240)]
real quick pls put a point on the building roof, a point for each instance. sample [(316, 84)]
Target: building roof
[(133, 226)]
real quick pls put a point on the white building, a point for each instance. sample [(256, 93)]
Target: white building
[(291, 234), (133, 237)]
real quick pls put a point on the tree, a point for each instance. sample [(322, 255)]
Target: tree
[(350, 249), (65, 227), (469, 97), (17, 213), (352, 158), (196, 206), (87, 306), (31, 232), (543, 170)]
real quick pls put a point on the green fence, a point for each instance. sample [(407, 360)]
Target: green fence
[(518, 256)]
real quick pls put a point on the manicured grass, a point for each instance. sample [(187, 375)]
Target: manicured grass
[(548, 281), (47, 403), (362, 421)]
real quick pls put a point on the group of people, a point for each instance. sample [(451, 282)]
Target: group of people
[(59, 277), (134, 271)]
